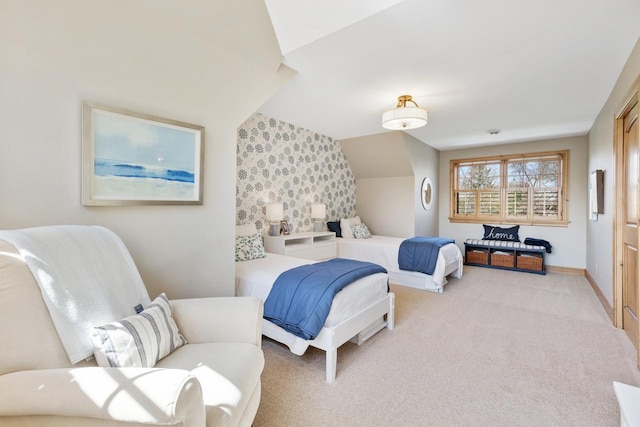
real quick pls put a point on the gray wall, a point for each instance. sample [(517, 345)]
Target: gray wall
[(600, 144), (389, 169), (159, 58), (425, 161), (568, 242), (385, 205)]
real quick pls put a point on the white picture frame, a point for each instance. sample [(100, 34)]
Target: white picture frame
[(426, 193)]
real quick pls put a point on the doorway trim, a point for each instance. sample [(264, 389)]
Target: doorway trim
[(630, 99)]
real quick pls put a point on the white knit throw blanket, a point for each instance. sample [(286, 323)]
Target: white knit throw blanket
[(87, 278)]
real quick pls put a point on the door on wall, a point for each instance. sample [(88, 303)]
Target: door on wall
[(631, 160)]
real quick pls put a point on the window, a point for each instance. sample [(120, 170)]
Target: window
[(523, 189)]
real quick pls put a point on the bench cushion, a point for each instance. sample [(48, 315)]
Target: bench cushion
[(503, 244)]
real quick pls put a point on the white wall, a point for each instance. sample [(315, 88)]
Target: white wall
[(600, 143), (568, 242), (210, 62), (385, 205)]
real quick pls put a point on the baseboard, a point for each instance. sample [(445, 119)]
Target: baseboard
[(565, 270), (600, 295)]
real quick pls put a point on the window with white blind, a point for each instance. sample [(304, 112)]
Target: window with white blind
[(522, 189)]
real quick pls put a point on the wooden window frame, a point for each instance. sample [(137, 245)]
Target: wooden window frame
[(502, 218)]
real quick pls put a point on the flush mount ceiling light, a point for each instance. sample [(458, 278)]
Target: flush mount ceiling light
[(403, 117)]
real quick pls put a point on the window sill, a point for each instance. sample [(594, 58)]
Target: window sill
[(543, 223)]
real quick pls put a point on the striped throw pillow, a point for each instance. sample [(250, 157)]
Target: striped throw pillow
[(139, 340)]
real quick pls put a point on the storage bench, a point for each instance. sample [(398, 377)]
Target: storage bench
[(505, 255)]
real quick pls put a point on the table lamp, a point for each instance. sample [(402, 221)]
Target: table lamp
[(275, 213), (318, 214)]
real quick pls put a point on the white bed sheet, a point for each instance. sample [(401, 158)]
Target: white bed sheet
[(255, 278), (383, 250)]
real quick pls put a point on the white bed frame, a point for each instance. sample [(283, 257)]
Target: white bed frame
[(421, 281), (384, 251), (360, 326)]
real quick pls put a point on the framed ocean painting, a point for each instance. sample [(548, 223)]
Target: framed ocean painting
[(131, 158)]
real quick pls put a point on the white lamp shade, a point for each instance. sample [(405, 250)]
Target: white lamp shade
[(275, 211), (404, 118), (318, 211)]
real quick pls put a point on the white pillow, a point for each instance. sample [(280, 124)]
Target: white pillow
[(246, 229), (345, 226), (139, 340)]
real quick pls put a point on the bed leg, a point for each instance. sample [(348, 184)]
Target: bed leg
[(332, 358), (391, 314)]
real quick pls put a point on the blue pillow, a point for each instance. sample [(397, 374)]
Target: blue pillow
[(498, 233), (335, 227)]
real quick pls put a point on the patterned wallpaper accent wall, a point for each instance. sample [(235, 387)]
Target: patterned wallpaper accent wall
[(279, 162)]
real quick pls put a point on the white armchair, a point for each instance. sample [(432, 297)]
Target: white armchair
[(214, 380), (629, 401)]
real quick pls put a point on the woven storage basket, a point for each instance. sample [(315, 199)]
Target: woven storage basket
[(501, 260), (529, 263), (475, 256)]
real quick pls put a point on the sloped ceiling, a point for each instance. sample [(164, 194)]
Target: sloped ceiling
[(378, 156), (535, 70), (304, 21)]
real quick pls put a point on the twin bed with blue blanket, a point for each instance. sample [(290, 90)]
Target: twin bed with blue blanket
[(419, 262), (318, 304)]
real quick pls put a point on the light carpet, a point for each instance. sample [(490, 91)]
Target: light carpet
[(497, 348)]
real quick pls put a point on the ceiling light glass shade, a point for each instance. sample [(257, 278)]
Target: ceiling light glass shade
[(403, 117)]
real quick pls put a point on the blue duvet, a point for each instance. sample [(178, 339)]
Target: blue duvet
[(421, 253), (300, 299)]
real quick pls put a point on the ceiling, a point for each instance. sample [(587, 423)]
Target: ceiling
[(535, 70)]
